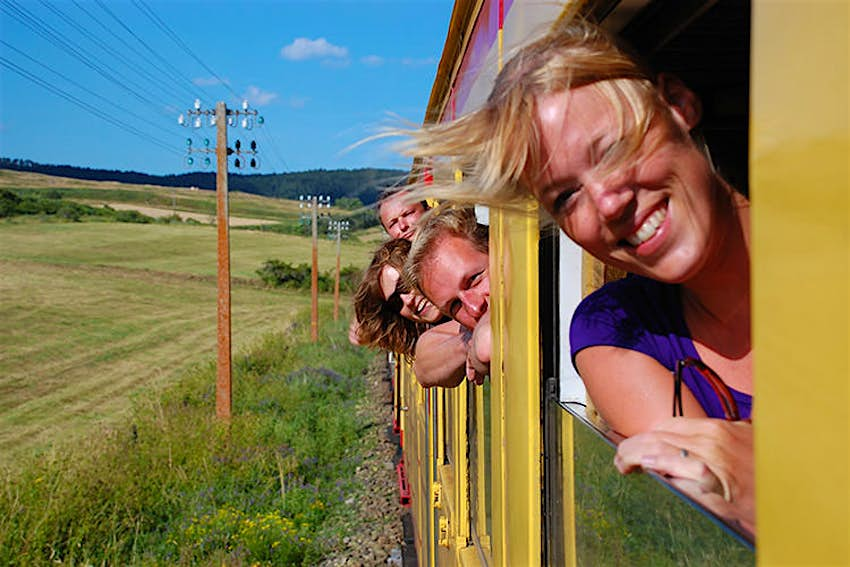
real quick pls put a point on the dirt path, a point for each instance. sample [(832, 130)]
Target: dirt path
[(200, 217)]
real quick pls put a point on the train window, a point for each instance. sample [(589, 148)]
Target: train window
[(480, 494), (634, 520), (447, 425)]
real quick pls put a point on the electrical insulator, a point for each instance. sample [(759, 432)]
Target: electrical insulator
[(238, 145), (254, 145)]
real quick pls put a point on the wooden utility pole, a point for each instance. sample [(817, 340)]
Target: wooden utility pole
[(223, 386), (314, 276), (222, 118), (339, 226), (336, 280)]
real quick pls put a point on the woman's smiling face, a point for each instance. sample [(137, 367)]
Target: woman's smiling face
[(650, 212), (410, 305)]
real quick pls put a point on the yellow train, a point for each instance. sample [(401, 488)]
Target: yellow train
[(513, 473)]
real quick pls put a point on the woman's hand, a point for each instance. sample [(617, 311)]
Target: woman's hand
[(710, 460)]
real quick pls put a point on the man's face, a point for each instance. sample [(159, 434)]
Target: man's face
[(399, 219), (456, 279)]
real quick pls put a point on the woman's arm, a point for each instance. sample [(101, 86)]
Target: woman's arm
[(441, 355), (632, 391)]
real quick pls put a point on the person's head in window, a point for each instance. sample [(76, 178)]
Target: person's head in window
[(603, 144), (449, 263), (398, 216), (390, 314)]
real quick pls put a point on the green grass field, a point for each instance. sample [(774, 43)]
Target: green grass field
[(180, 198), (110, 452), (93, 312), (179, 248)]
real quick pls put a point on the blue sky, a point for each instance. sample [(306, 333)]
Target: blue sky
[(323, 74)]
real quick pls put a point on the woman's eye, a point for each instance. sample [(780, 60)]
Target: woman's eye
[(563, 198)]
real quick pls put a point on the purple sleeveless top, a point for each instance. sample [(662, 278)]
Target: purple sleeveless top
[(641, 314)]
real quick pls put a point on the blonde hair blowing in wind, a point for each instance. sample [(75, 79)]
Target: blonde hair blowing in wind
[(497, 147)]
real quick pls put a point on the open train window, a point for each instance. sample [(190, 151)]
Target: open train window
[(707, 44)]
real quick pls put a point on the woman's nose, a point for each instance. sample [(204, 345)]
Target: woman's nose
[(409, 299), (611, 194)]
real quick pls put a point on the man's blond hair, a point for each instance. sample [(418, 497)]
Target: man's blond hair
[(439, 223)]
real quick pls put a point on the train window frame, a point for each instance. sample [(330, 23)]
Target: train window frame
[(663, 32)]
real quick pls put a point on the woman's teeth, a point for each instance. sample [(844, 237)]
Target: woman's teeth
[(648, 228)]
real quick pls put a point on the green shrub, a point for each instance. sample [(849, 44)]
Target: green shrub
[(276, 273), (132, 216)]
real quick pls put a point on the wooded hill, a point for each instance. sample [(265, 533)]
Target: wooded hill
[(363, 184)]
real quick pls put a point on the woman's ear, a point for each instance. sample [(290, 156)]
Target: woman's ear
[(685, 105)]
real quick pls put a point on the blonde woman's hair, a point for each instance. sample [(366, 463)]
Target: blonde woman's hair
[(381, 324), (497, 147), (438, 223)]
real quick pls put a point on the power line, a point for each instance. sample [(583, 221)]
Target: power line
[(145, 44), (57, 38), (83, 87), (84, 105), (145, 9), (110, 49)]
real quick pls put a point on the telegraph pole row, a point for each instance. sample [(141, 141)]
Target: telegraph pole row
[(221, 118)]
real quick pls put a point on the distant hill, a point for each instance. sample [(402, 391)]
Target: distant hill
[(363, 184)]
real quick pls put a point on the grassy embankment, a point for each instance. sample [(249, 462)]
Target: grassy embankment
[(172, 485), (98, 467)]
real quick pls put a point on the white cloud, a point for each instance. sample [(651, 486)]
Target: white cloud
[(372, 60), (303, 48), (413, 62), (298, 101), (258, 97), (209, 81)]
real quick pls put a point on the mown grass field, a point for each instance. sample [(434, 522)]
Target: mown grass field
[(179, 198), (178, 248), (94, 312)]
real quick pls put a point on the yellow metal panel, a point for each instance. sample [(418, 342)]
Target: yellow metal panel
[(497, 392), (800, 182), (565, 430), (519, 383)]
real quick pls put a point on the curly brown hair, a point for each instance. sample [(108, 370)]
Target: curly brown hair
[(381, 324)]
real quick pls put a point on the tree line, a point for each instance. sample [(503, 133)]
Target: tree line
[(364, 184)]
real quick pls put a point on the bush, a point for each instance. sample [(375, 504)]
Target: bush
[(276, 273), (8, 203), (132, 216)]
